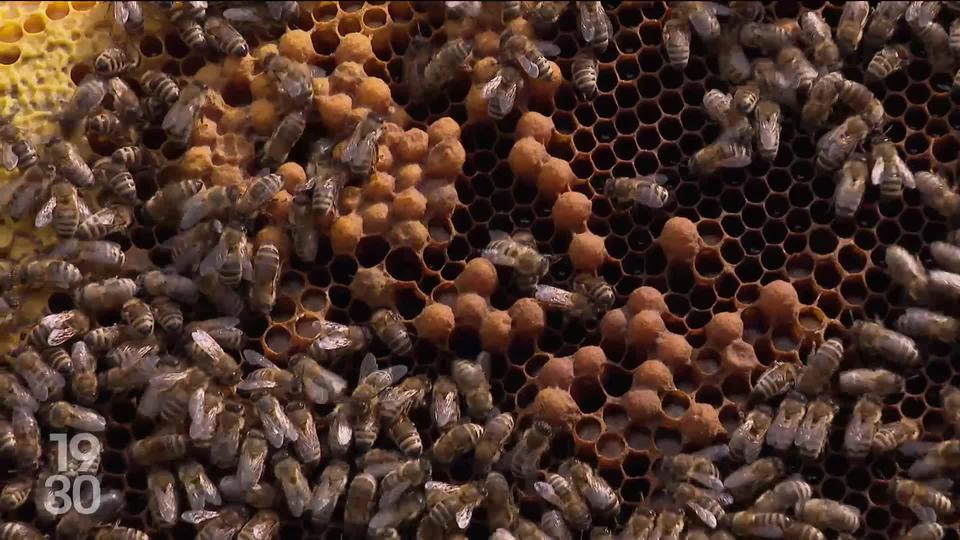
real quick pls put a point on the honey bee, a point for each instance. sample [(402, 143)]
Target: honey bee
[(383, 523), (360, 150), (223, 36), (891, 435), (584, 73), (457, 441), (495, 434), (69, 164), (253, 459), (754, 477), (853, 20), (525, 456), (561, 493), (446, 64), (946, 255), (747, 441), (640, 523), (129, 15), (261, 496), (330, 487), (765, 35), (215, 202), (400, 399), (100, 256), (18, 530), (502, 511), (326, 180), (284, 136), (885, 18), (553, 526), (749, 523), (944, 285), (265, 524), (828, 514), (185, 17), (8, 441), (167, 203), (720, 155), (44, 383), (851, 183), (455, 510), (601, 499), (835, 146), (17, 150), (520, 253), (645, 190), (669, 524), (266, 273), (820, 367), (920, 322), (410, 474), (768, 129), (62, 415), (65, 210), (920, 16), (156, 449), (15, 395), (795, 67), (445, 404), (191, 247), (784, 496), (923, 531), (221, 524), (543, 15), (501, 92), (337, 341), (372, 382), (698, 467), (887, 61), (277, 427), (126, 102), (863, 426), (160, 85), (472, 379), (817, 33), (596, 29), (117, 179), (293, 79), (777, 380), (731, 58), (87, 96), (890, 172), (56, 329), (359, 502), (390, 329), (138, 316), (812, 434), (26, 432), (717, 105), (230, 259), (405, 436), (938, 458), (197, 485), (907, 271), (179, 121), (319, 384), (106, 124), (875, 340), (950, 399), (116, 61), (303, 232), (225, 442), (15, 493), (783, 429), (705, 504), (105, 221), (599, 293), (162, 498), (296, 489), (178, 288), (676, 40), (954, 37), (204, 408), (210, 356)]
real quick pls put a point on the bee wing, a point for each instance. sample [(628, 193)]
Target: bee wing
[(546, 492), (353, 143), (255, 382), (214, 260), (242, 15), (316, 392), (194, 210), (548, 48), (341, 430), (333, 343), (45, 215), (465, 514), (368, 365), (435, 488), (586, 21), (166, 503), (209, 489), (206, 342), (553, 296), (705, 515), (166, 381), (483, 360), (528, 66), (60, 336), (396, 372), (905, 173), (195, 405), (8, 158), (490, 87), (196, 517), (507, 97), (120, 12), (83, 209), (254, 358), (445, 409), (924, 513), (876, 173), (393, 494)]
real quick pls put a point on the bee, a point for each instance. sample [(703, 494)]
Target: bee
[(261, 496), (795, 66), (597, 290), (100, 256), (946, 255), (645, 190), (138, 316), (337, 341), (938, 458), (56, 329), (17, 530), (266, 273), (389, 328), (168, 314), (44, 383), (596, 29), (863, 426), (853, 20), (230, 259), (225, 442), (920, 16), (210, 356), (215, 202), (129, 15), (61, 415), (472, 379), (820, 367), (502, 511), (126, 102), (178, 288), (923, 531), (405, 436), (455, 510), (160, 86), (851, 183), (457, 441), (544, 15), (950, 399), (747, 441), (944, 285), (106, 124), (754, 477), (410, 474), (168, 201), (954, 37), (87, 96), (783, 496), (65, 210), (252, 460), (812, 434), (525, 457), (15, 493), (116, 61), (885, 18), (731, 58), (561, 493), (584, 70), (707, 505), (817, 33), (501, 92), (835, 146), (319, 384), (768, 129), (720, 155), (277, 427), (828, 514), (303, 232), (156, 449), (17, 151), (360, 150), (278, 146), (875, 340), (777, 380), (330, 487), (749, 523), (186, 17), (598, 495), (384, 522), (162, 498), (197, 485), (359, 503), (66, 158), (372, 383), (265, 524), (520, 253), (553, 526), (495, 434), (445, 65), (204, 408), (296, 489), (445, 404), (8, 441), (104, 222), (907, 271), (294, 80), (890, 172), (887, 61), (767, 36), (225, 37), (783, 429), (26, 433), (400, 399), (676, 40), (891, 435), (180, 120), (920, 322)]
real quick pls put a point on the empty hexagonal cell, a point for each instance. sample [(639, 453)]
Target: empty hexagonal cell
[(277, 340), (611, 446), (674, 404), (588, 429)]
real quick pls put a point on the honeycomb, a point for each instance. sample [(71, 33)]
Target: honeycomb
[(701, 304)]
